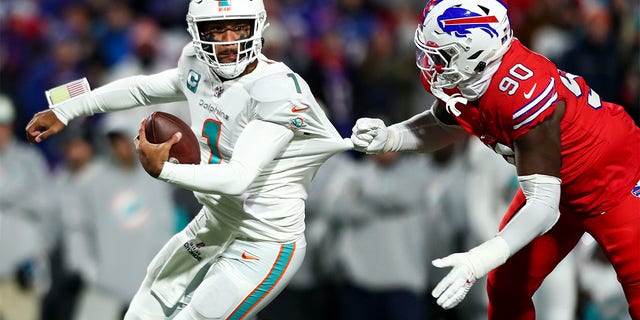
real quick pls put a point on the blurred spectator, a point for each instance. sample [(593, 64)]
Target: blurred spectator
[(21, 35), (62, 66), (78, 165), (627, 17), (122, 217), (151, 52), (530, 18), (330, 77), (596, 48), (24, 199), (113, 33), (383, 82), (448, 228), (603, 298), (277, 37), (381, 240), (552, 41), (167, 12)]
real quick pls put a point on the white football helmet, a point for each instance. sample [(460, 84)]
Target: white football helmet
[(248, 49), (457, 39)]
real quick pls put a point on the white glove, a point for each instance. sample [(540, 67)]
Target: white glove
[(467, 268), (371, 136)]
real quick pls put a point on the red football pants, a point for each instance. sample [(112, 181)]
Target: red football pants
[(511, 286)]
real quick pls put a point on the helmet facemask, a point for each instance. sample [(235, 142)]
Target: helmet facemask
[(435, 63), (203, 22)]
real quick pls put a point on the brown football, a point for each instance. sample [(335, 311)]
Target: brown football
[(160, 126)]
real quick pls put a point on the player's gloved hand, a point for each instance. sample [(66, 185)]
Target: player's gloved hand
[(371, 136), (467, 268), (452, 289)]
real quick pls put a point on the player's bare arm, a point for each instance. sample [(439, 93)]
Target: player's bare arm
[(538, 151), (43, 125)]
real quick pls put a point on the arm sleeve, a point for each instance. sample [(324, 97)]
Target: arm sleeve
[(123, 94), (259, 143), (423, 132), (536, 217), (539, 213)]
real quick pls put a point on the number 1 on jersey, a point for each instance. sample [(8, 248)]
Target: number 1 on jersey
[(211, 130), (295, 81)]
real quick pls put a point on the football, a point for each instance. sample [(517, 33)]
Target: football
[(160, 126)]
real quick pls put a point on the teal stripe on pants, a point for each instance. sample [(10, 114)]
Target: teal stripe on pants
[(267, 284)]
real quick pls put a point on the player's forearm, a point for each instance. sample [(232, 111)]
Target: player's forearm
[(123, 94), (536, 217), (539, 213), (228, 178), (257, 146), (423, 132)]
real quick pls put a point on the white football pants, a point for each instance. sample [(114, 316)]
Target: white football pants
[(237, 285)]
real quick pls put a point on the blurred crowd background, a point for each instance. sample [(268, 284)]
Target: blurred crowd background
[(80, 220)]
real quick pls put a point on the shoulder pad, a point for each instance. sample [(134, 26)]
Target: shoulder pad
[(188, 50), (275, 87)]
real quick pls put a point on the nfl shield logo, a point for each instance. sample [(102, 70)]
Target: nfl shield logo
[(217, 91)]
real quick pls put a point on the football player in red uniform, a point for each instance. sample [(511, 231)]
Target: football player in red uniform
[(577, 157)]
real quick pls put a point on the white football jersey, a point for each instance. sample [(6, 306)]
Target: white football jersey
[(272, 209)]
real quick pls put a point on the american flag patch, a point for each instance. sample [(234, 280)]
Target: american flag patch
[(67, 91)]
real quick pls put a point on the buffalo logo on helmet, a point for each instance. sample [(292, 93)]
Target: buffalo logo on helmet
[(459, 21)]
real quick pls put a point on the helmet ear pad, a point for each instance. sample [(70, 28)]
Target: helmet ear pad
[(248, 48), (473, 33)]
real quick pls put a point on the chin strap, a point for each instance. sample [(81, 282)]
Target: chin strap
[(450, 101)]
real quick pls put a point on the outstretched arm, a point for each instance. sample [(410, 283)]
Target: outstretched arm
[(121, 94), (538, 163), (424, 132)]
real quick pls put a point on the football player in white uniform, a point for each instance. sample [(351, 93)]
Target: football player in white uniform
[(262, 138)]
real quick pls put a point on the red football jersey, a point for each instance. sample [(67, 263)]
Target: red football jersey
[(600, 142)]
